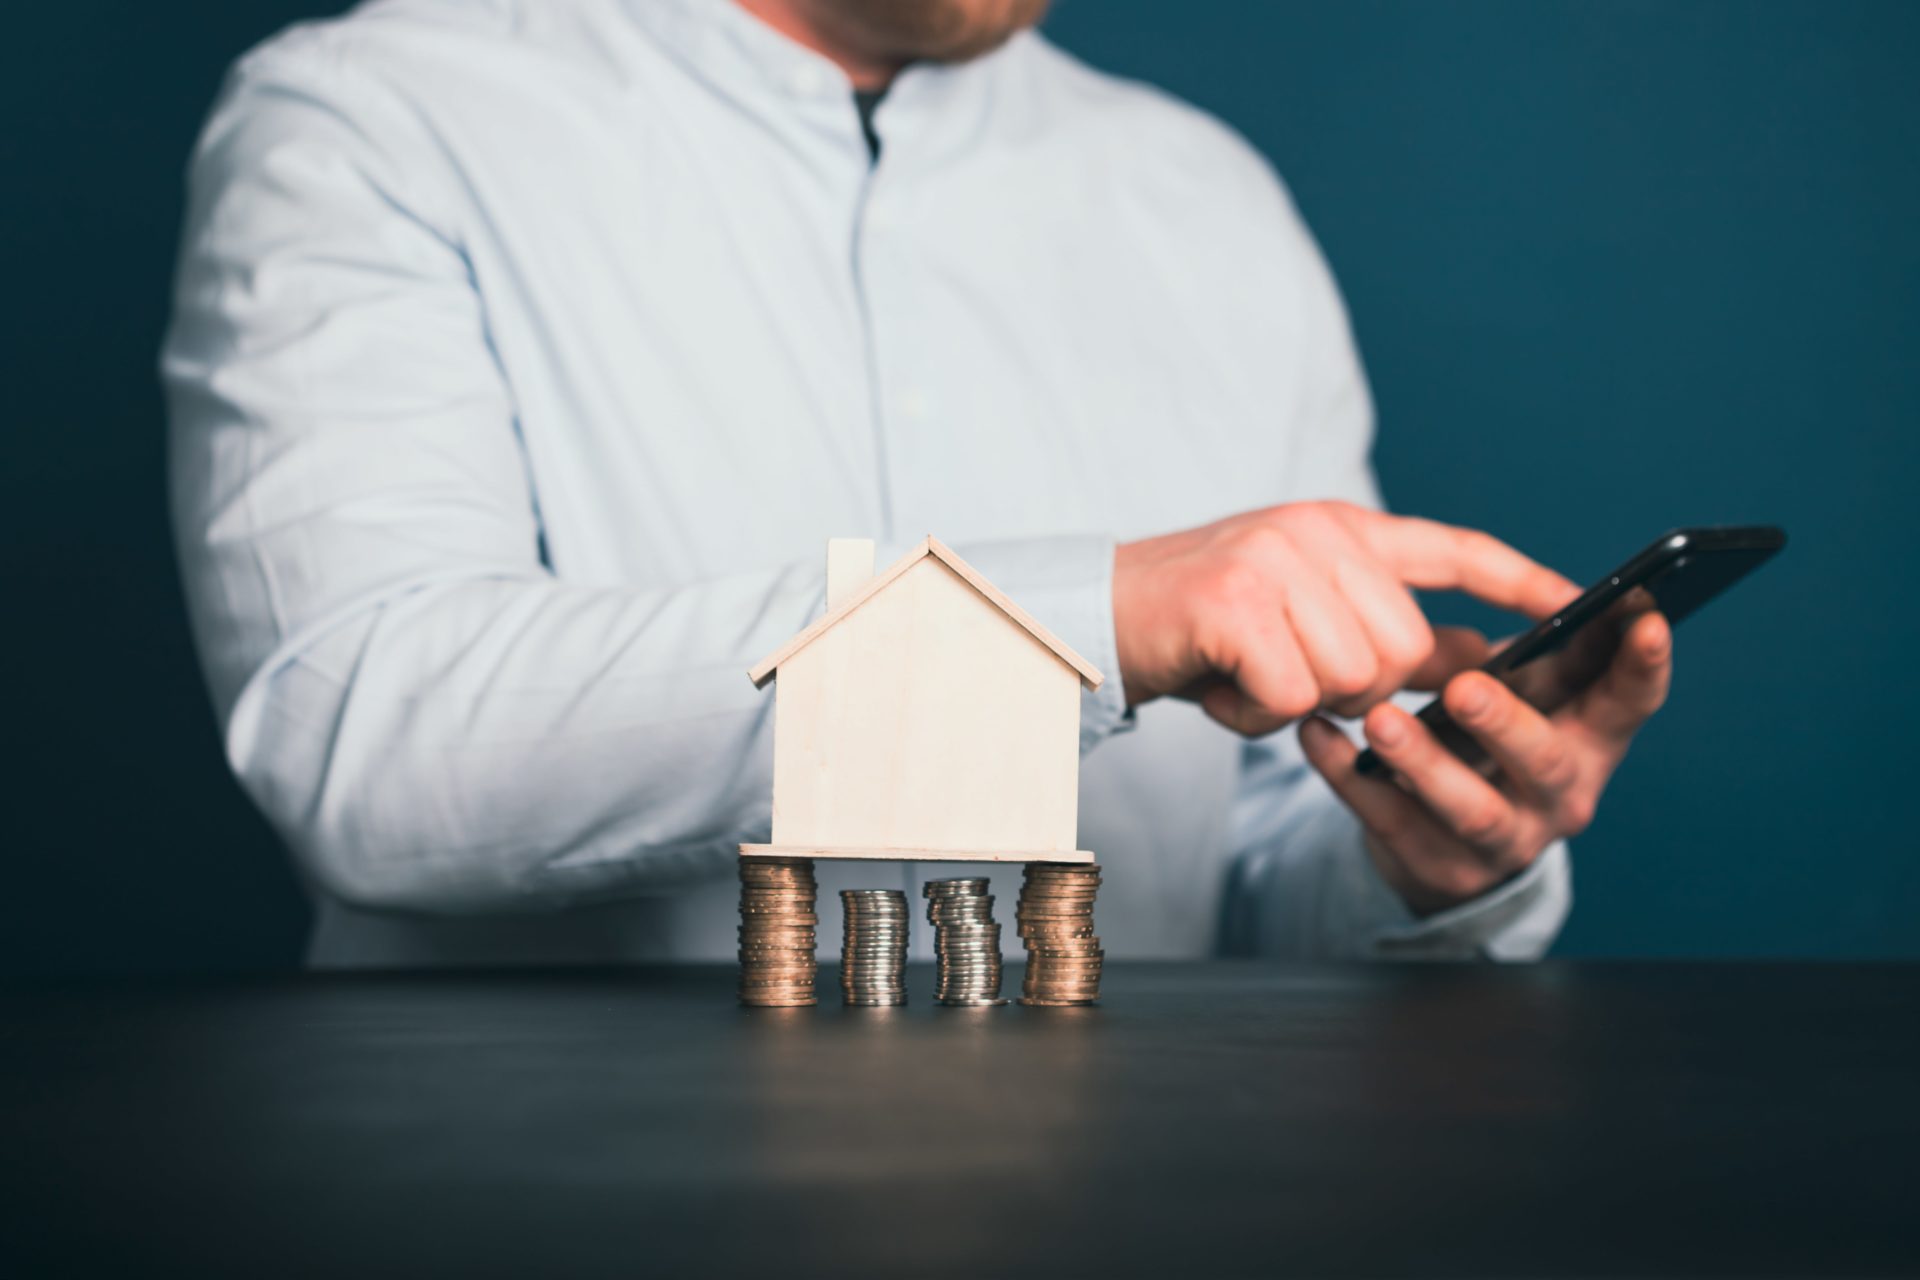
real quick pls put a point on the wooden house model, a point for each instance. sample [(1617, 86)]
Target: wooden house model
[(925, 716)]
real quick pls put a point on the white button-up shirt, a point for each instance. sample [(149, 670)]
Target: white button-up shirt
[(526, 354)]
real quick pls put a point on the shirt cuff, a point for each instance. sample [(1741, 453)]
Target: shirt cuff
[(1066, 583), (1516, 920)]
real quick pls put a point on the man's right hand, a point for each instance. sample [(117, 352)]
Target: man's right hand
[(1266, 617)]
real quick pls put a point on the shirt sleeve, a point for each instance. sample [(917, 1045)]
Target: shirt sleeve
[(429, 717), (1301, 882)]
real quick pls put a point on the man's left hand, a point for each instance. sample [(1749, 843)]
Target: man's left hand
[(1441, 833)]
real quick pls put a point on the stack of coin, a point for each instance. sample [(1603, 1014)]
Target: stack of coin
[(1056, 922), (966, 942), (776, 931), (873, 956)]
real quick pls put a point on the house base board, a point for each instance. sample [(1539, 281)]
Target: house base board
[(913, 855)]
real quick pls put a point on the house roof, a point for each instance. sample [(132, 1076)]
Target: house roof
[(930, 546)]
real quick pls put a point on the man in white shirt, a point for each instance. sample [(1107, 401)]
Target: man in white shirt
[(525, 355)]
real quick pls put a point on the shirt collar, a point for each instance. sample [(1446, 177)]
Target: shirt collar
[(726, 45), (748, 60)]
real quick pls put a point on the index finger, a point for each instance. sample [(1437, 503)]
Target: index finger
[(1444, 557)]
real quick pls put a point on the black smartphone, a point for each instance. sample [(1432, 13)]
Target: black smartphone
[(1551, 664)]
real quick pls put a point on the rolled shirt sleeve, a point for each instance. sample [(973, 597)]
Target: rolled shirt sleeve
[(429, 718)]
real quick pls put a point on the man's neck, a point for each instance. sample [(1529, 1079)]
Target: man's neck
[(800, 21)]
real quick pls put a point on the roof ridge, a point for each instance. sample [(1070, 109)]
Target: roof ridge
[(928, 546)]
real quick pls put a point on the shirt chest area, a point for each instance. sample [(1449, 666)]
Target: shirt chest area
[(967, 342)]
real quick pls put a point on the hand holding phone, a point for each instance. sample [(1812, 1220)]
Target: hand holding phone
[(1441, 831), (1676, 573)]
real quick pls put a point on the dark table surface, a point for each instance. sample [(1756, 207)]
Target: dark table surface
[(1220, 1119)]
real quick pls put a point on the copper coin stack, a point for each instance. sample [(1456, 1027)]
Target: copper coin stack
[(777, 965), (1055, 916), (873, 955), (966, 941)]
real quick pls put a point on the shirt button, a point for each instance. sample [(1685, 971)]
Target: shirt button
[(912, 404), (880, 220)]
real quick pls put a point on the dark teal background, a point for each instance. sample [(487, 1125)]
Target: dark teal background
[(1613, 266)]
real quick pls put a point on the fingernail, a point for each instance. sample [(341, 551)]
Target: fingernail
[(1386, 729), (1472, 699)]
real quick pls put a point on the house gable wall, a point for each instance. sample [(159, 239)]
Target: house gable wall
[(927, 719)]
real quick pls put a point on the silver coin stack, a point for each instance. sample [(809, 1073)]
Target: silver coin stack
[(966, 941), (873, 954)]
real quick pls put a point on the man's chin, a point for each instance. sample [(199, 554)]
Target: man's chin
[(931, 30)]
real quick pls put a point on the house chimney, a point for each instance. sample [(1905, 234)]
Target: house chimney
[(849, 564)]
